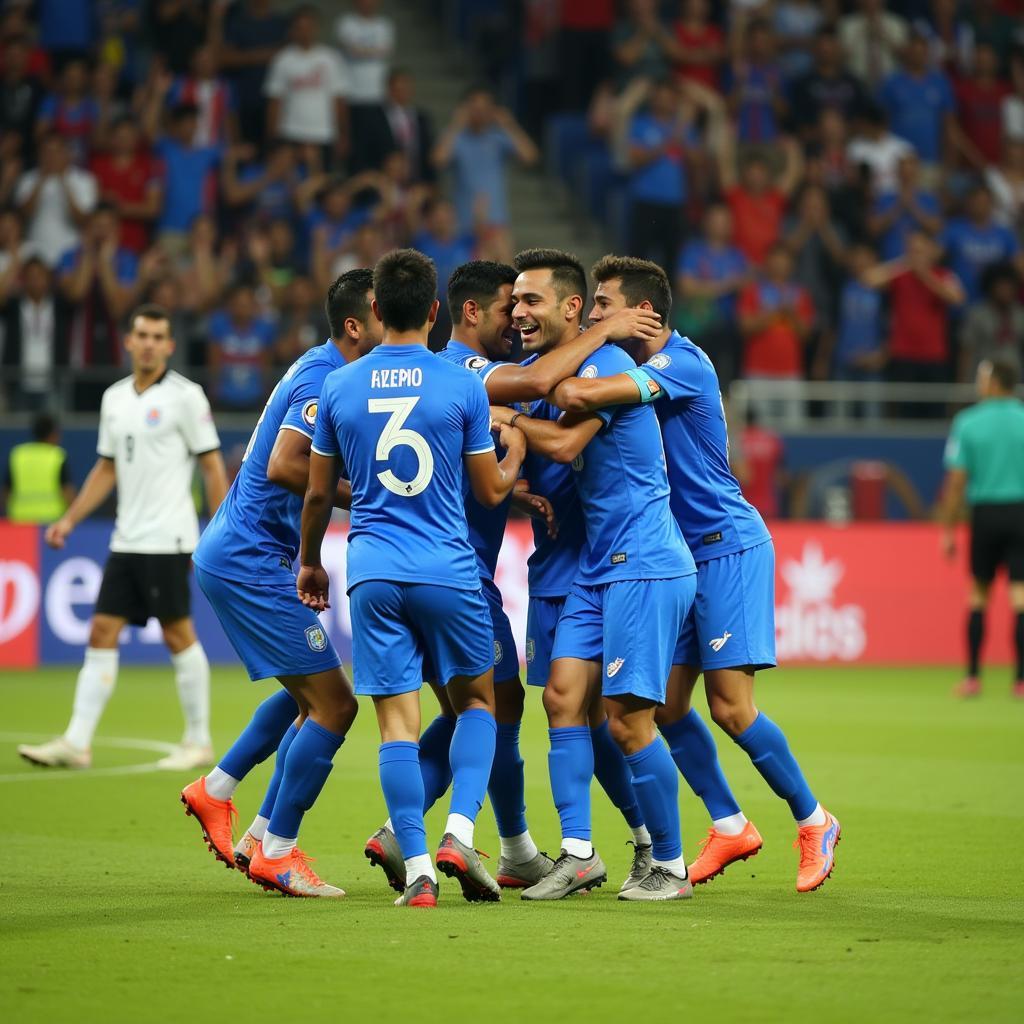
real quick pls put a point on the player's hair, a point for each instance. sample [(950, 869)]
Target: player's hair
[(1005, 373), (639, 279), (567, 273), (478, 280), (44, 426), (347, 298), (149, 311), (405, 286)]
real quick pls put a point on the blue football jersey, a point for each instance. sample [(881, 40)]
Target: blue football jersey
[(706, 498), (254, 535), (623, 485), (402, 419), (486, 525)]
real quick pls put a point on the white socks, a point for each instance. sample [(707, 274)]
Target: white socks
[(676, 866), (276, 846), (192, 676), (816, 817), (416, 867), (461, 827), (258, 828), (220, 785), (92, 691), (641, 836), (733, 825), (578, 847), (518, 849)]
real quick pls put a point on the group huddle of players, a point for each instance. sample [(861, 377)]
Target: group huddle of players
[(650, 569)]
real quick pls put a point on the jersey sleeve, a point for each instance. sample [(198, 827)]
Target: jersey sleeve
[(105, 445), (477, 429), (325, 437), (304, 403), (606, 362), (481, 366), (678, 373), (197, 427), (955, 455)]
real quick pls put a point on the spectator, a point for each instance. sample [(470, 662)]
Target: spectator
[(908, 208), (38, 487), (332, 222), (441, 241), (710, 273), (827, 86), (583, 57), (993, 27), (71, 111), (216, 121), (367, 41), (204, 265), (1013, 103), (306, 85), (36, 334), (994, 327), (642, 46), (756, 95), (1006, 183), (303, 321), (189, 177), (776, 319), (979, 104), (919, 102), (20, 95), (265, 190), (397, 123), (976, 241), (921, 294), (67, 29), (129, 179), (251, 35), (950, 37), (179, 26), (757, 203), (847, 184), (700, 45), (872, 39), (239, 351), (14, 251), (55, 199), (16, 26), (796, 23), (762, 466), (877, 149), (476, 144)]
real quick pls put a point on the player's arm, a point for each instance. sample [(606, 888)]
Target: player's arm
[(578, 395), (559, 440), (951, 508), (312, 582), (98, 484), (492, 481), (215, 478), (288, 467), (514, 383)]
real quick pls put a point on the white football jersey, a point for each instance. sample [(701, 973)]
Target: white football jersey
[(153, 438)]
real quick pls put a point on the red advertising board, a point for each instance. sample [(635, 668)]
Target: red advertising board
[(20, 587)]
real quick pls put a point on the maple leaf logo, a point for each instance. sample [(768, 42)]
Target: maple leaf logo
[(812, 580)]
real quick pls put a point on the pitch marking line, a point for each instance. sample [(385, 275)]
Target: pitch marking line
[(117, 742)]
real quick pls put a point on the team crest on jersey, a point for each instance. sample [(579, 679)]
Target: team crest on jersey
[(497, 651), (589, 372), (531, 650), (577, 463), (659, 361), (153, 417), (309, 413), (316, 638), (475, 363)]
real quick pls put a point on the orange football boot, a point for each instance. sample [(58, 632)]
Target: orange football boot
[(817, 845), (718, 851), (290, 875), (215, 819)]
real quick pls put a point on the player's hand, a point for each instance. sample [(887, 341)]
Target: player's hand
[(949, 544), (313, 586), (501, 415), (57, 533), (535, 505), (513, 440), (643, 324)]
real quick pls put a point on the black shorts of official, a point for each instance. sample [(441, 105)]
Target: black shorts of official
[(997, 539), (143, 587)]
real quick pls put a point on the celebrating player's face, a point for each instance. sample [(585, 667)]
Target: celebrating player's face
[(538, 314), (608, 299), (149, 344), (495, 327)]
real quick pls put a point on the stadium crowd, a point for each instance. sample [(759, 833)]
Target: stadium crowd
[(836, 188)]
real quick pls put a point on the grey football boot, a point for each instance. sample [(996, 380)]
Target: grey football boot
[(642, 853), (568, 875), (382, 850), (422, 893), (461, 862), (659, 885), (522, 874)]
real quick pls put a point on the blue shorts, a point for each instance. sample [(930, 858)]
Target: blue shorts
[(631, 627), (541, 623), (732, 622), (395, 626), (271, 630)]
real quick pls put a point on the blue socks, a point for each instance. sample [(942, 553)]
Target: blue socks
[(767, 748), (305, 771), (403, 786), (471, 755), (267, 807), (571, 767), (696, 756), (612, 772), (260, 738), (434, 763), (507, 786), (656, 784)]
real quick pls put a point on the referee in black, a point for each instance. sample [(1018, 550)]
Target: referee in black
[(985, 463)]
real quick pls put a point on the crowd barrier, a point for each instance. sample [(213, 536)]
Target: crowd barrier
[(859, 594)]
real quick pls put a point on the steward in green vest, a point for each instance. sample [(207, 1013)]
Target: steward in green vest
[(38, 487)]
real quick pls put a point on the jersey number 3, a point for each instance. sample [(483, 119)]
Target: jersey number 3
[(395, 434)]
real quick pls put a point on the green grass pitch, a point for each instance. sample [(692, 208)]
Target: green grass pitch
[(112, 910)]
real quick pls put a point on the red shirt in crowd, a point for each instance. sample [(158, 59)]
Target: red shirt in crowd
[(775, 351), (979, 109), (757, 220), (919, 319), (762, 452), (698, 40), (127, 183), (588, 14)]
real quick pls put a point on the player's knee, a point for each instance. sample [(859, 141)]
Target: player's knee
[(178, 635), (561, 706), (732, 717), (103, 632)]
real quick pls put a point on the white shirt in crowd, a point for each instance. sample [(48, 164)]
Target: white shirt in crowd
[(153, 438), (52, 229), (882, 156), (38, 320), (367, 74), (307, 82)]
